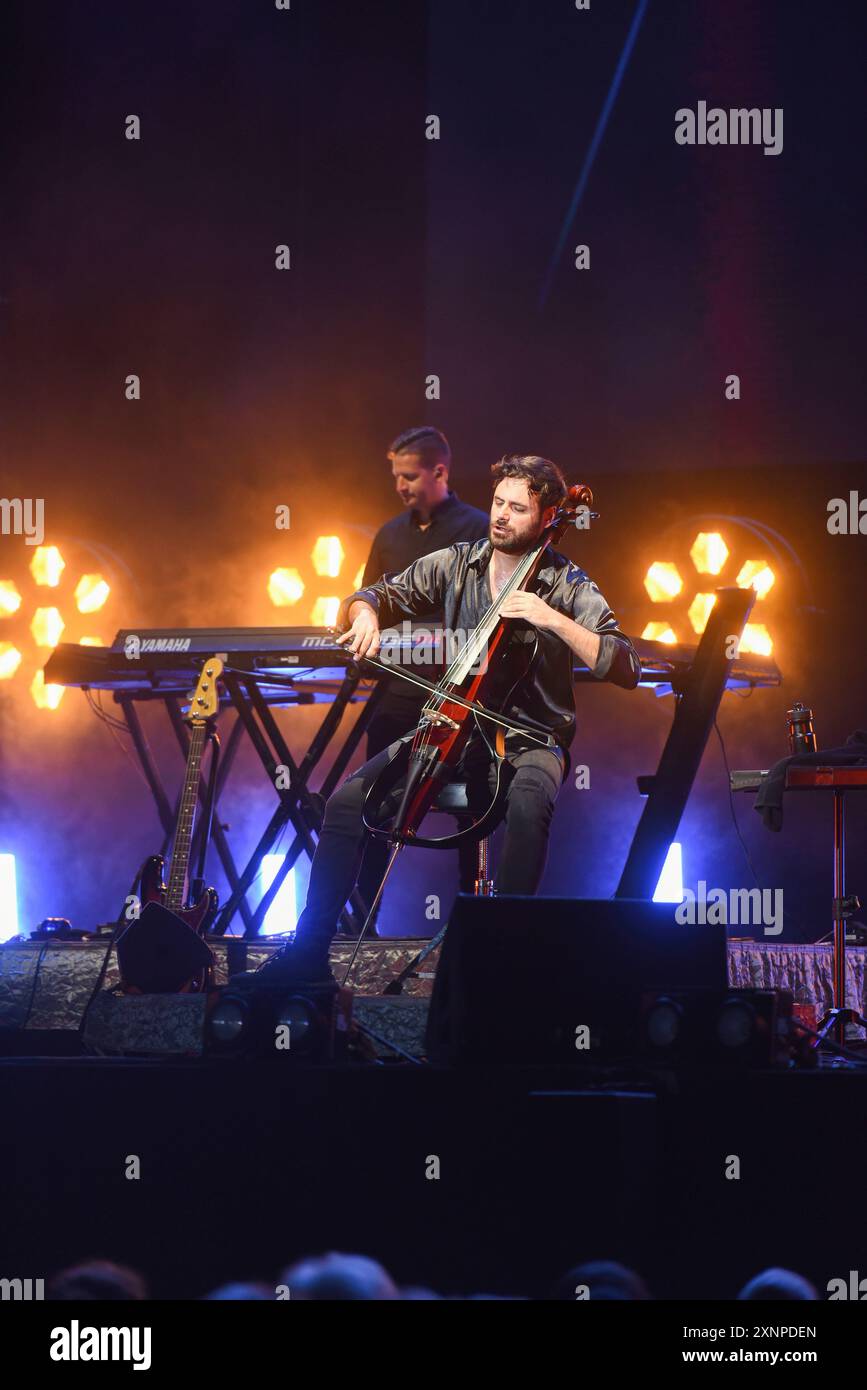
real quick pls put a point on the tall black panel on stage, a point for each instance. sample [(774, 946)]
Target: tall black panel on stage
[(560, 979)]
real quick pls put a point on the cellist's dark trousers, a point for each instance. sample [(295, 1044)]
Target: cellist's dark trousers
[(532, 792)]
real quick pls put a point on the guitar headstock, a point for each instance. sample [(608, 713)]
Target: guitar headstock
[(205, 700)]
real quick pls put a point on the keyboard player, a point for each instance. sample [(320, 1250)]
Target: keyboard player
[(432, 518)]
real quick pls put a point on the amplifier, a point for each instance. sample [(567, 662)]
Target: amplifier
[(526, 980)]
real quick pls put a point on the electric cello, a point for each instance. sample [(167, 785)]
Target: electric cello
[(470, 696)]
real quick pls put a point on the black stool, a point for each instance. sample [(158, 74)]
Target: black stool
[(453, 800)]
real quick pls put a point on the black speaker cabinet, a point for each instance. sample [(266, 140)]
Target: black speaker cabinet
[(560, 979)]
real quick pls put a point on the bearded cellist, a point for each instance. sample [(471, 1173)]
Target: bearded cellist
[(561, 615)]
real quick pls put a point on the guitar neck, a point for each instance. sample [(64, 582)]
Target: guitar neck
[(186, 816)]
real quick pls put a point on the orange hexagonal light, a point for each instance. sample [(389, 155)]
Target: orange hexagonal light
[(46, 696), (324, 612), (10, 660), (47, 626), (91, 592), (285, 587), (709, 552), (756, 639), (758, 574), (663, 581), (699, 611), (47, 565), (10, 599), (327, 556), (659, 632)]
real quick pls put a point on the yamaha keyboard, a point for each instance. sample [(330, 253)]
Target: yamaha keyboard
[(310, 665)]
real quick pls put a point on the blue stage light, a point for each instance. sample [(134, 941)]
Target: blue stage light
[(8, 898), (282, 915), (669, 889)]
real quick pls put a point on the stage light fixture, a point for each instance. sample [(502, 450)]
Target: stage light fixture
[(10, 598), (736, 1023), (746, 552), (660, 632), (302, 1020), (46, 696), (663, 1024), (47, 627), (227, 1021), (735, 1027), (709, 552), (47, 565), (669, 889), (324, 612), (10, 660), (327, 560), (756, 639), (8, 898), (35, 626), (758, 574), (699, 611), (91, 592), (285, 587), (263, 1016), (282, 915), (663, 581), (328, 556)]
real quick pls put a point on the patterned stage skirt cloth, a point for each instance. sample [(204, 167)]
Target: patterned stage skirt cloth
[(808, 971), (51, 986)]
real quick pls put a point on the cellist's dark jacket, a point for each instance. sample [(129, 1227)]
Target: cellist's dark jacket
[(454, 582)]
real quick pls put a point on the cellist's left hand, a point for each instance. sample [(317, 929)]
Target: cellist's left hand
[(531, 609)]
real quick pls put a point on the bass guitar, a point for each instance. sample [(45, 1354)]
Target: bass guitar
[(163, 950)]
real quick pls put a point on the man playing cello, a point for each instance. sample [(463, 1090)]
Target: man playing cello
[(560, 615)]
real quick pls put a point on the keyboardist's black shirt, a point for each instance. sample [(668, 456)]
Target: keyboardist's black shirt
[(454, 581), (396, 545), (401, 541)]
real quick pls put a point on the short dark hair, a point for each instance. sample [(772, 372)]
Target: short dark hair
[(542, 477), (430, 444)]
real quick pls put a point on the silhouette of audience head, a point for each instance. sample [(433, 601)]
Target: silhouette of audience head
[(600, 1281), (97, 1281), (777, 1284), (240, 1292), (336, 1276)]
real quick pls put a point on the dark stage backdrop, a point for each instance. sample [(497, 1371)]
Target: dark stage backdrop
[(411, 259)]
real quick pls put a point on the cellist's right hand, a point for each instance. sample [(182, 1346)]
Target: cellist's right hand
[(362, 637)]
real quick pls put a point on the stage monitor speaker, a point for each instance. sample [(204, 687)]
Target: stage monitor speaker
[(527, 980)]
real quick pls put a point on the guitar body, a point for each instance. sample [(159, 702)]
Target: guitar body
[(152, 949), (198, 916)]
